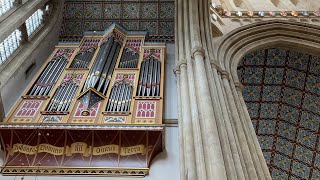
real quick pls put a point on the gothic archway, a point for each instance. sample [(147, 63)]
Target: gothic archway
[(251, 42)]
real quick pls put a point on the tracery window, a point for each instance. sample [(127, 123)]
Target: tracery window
[(5, 5), (9, 45), (34, 22)]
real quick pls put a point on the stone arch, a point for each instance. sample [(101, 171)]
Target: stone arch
[(265, 35), (237, 43)]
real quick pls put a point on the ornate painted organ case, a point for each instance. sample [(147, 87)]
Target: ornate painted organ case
[(93, 109)]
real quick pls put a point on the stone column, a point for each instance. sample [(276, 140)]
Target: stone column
[(190, 166), (180, 122), (215, 137), (239, 129), (233, 140), (251, 132), (212, 148)]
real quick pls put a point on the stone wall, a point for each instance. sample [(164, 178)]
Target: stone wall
[(18, 73)]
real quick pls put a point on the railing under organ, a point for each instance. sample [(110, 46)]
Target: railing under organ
[(91, 101)]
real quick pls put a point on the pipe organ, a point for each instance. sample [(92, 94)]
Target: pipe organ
[(93, 109)]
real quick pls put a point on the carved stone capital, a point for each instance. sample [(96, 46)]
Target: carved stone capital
[(176, 70), (238, 86), (198, 50), (220, 70), (182, 63), (214, 65), (224, 75)]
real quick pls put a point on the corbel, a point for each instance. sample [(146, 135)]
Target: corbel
[(238, 86), (198, 50), (225, 75)]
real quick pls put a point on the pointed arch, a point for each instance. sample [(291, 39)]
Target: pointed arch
[(294, 35)]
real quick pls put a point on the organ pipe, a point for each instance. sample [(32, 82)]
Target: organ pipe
[(129, 59), (83, 59), (149, 79), (102, 69), (49, 77)]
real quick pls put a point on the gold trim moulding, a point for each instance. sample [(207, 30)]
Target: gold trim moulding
[(76, 69), (74, 126), (127, 69), (35, 97), (147, 97), (116, 113), (73, 171), (54, 112)]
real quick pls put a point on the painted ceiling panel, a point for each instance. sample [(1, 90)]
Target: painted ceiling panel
[(282, 93), (154, 16)]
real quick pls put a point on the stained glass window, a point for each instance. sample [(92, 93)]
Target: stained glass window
[(34, 21), (5, 5), (9, 45)]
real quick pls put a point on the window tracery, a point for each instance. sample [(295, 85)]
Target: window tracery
[(34, 22), (10, 45), (5, 6)]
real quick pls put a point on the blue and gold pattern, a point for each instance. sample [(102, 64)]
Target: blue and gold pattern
[(282, 92), (155, 16)]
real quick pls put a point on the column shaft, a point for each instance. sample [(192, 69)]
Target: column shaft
[(239, 131), (187, 127), (214, 159), (252, 135), (231, 135), (223, 136), (251, 146), (233, 128), (180, 124)]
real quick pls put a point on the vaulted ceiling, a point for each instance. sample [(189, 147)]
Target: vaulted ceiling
[(154, 16), (282, 93)]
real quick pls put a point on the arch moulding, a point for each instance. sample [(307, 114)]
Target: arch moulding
[(293, 35)]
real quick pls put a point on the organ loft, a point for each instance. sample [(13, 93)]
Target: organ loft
[(160, 89)]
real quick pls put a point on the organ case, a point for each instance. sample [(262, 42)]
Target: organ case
[(94, 108)]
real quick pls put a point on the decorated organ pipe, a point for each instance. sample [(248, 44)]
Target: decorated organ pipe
[(83, 59), (50, 75), (104, 64), (85, 55), (120, 97), (129, 59), (150, 75), (65, 93)]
